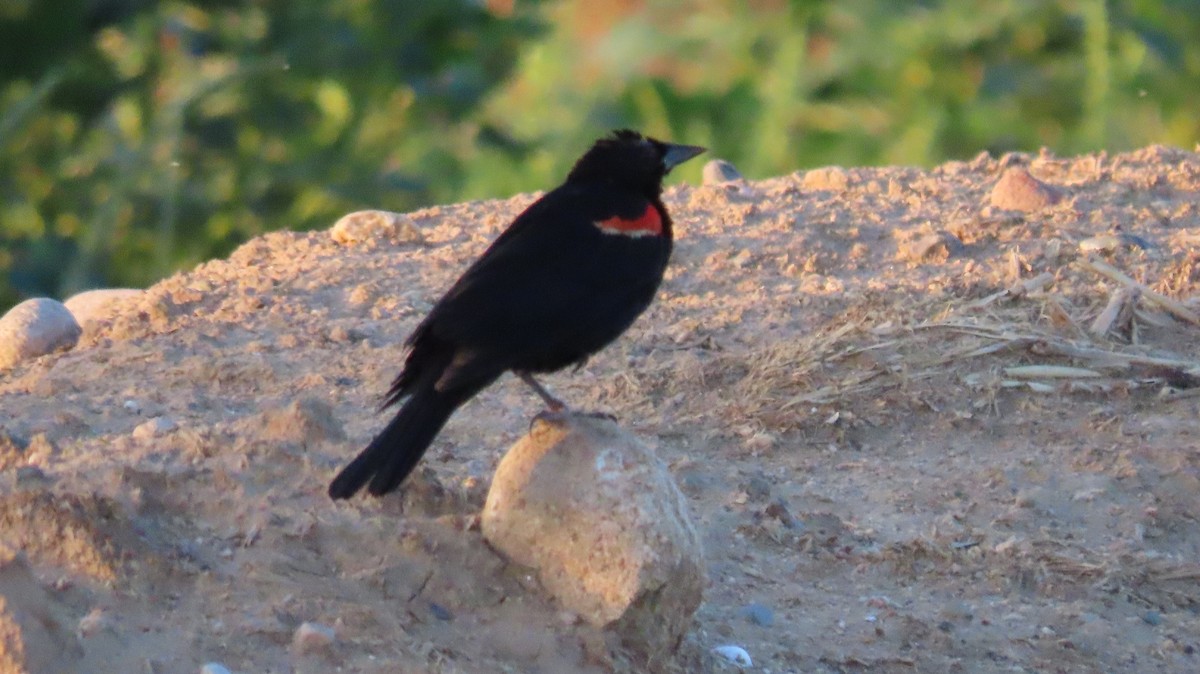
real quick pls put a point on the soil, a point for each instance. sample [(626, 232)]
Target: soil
[(906, 443)]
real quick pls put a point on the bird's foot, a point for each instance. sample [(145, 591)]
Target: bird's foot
[(552, 404), (546, 416), (557, 416), (555, 408)]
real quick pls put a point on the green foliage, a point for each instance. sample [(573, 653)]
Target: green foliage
[(138, 137), (775, 85)]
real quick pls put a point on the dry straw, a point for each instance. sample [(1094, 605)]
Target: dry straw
[(1026, 337)]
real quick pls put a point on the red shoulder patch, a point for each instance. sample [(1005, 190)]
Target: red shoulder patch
[(649, 223)]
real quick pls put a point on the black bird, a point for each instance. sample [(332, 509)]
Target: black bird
[(568, 276)]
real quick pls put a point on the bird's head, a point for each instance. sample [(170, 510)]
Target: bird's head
[(628, 158)]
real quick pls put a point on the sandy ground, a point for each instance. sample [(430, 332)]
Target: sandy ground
[(905, 447)]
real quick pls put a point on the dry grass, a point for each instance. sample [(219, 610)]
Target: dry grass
[(1028, 337)]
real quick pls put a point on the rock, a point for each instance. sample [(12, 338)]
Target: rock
[(719, 171), (1107, 243), (1018, 190), (759, 614), (33, 632), (937, 246), (371, 226), (32, 476), (96, 621), (35, 328), (153, 428), (600, 519), (833, 178), (735, 655), (91, 307), (39, 450), (312, 638), (440, 612)]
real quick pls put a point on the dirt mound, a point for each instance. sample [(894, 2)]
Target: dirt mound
[(917, 432)]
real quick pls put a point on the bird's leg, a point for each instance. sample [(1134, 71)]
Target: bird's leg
[(552, 403)]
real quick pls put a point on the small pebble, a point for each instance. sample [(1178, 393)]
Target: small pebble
[(28, 476), (758, 488), (92, 623), (1106, 243), (214, 668), (440, 612), (343, 335), (39, 450), (719, 171), (372, 226), (1152, 618), (780, 511), (1103, 243), (312, 638), (938, 246), (735, 654), (832, 178), (153, 428), (35, 328), (759, 614)]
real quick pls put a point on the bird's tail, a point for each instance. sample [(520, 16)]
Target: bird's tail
[(394, 453)]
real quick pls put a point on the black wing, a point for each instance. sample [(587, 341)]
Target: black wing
[(552, 288)]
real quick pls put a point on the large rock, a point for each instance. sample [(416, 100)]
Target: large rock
[(34, 328), (600, 519)]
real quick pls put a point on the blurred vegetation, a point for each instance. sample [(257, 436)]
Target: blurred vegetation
[(139, 137)]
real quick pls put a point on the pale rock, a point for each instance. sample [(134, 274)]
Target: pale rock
[(599, 518), (96, 621), (938, 246), (372, 226), (1018, 190), (154, 428), (832, 178), (735, 655), (719, 171), (35, 328), (312, 638), (92, 307)]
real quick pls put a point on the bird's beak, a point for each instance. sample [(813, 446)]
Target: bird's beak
[(675, 155)]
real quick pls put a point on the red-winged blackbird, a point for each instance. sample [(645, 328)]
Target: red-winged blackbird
[(567, 277)]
